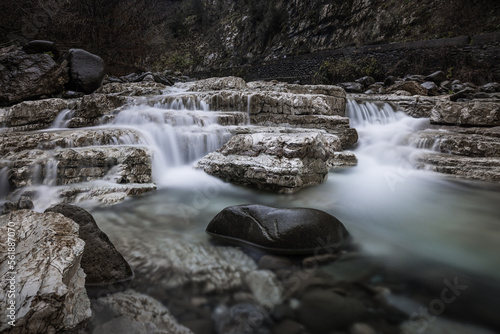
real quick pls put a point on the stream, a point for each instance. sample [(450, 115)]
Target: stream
[(419, 224)]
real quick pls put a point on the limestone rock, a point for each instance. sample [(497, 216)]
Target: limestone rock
[(412, 87), (51, 296), (26, 76), (101, 261), (475, 113), (477, 168), (217, 84), (277, 162), (471, 142), (133, 312), (121, 164), (330, 90), (11, 142), (87, 71), (289, 231), (132, 89), (163, 263)]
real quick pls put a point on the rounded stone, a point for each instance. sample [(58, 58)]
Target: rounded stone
[(323, 311), (280, 231)]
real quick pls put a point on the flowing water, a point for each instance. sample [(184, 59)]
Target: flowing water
[(404, 216)]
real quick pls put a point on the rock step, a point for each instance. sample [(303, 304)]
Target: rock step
[(40, 114), (121, 164), (257, 102), (280, 162), (265, 172), (465, 144), (472, 113), (19, 141), (477, 168)]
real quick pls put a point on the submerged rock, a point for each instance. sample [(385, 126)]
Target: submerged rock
[(50, 296), (287, 231), (323, 311), (101, 261), (133, 312)]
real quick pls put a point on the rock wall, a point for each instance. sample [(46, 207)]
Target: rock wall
[(472, 52)]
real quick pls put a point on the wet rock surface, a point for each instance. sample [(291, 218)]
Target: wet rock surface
[(278, 162), (473, 113), (132, 312), (102, 263), (51, 296), (289, 231)]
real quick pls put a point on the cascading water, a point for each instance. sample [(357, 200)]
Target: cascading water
[(178, 132)]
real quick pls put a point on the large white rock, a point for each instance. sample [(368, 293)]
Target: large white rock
[(50, 292)]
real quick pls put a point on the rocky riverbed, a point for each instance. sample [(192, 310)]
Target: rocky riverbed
[(162, 275)]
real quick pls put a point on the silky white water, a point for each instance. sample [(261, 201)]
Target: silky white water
[(391, 208)]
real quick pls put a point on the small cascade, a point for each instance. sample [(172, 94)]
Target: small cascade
[(383, 133), (4, 182), (178, 136), (50, 173), (62, 120), (365, 113)]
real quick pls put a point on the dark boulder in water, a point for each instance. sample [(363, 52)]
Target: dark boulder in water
[(285, 231), (101, 262)]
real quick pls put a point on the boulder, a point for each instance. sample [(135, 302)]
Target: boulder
[(40, 46), (278, 162), (133, 312), (461, 93), (366, 81), (471, 113), (436, 77), (431, 87), (286, 231), (51, 295), (492, 87), (101, 262), (412, 87), (27, 76), (352, 87), (87, 71), (389, 81), (324, 311)]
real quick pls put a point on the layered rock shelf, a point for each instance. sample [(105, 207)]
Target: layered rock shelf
[(59, 142)]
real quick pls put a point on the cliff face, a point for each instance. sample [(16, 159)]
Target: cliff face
[(207, 34), (250, 31)]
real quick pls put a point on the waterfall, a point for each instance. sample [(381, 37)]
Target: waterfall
[(365, 113), (62, 120), (178, 132)]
